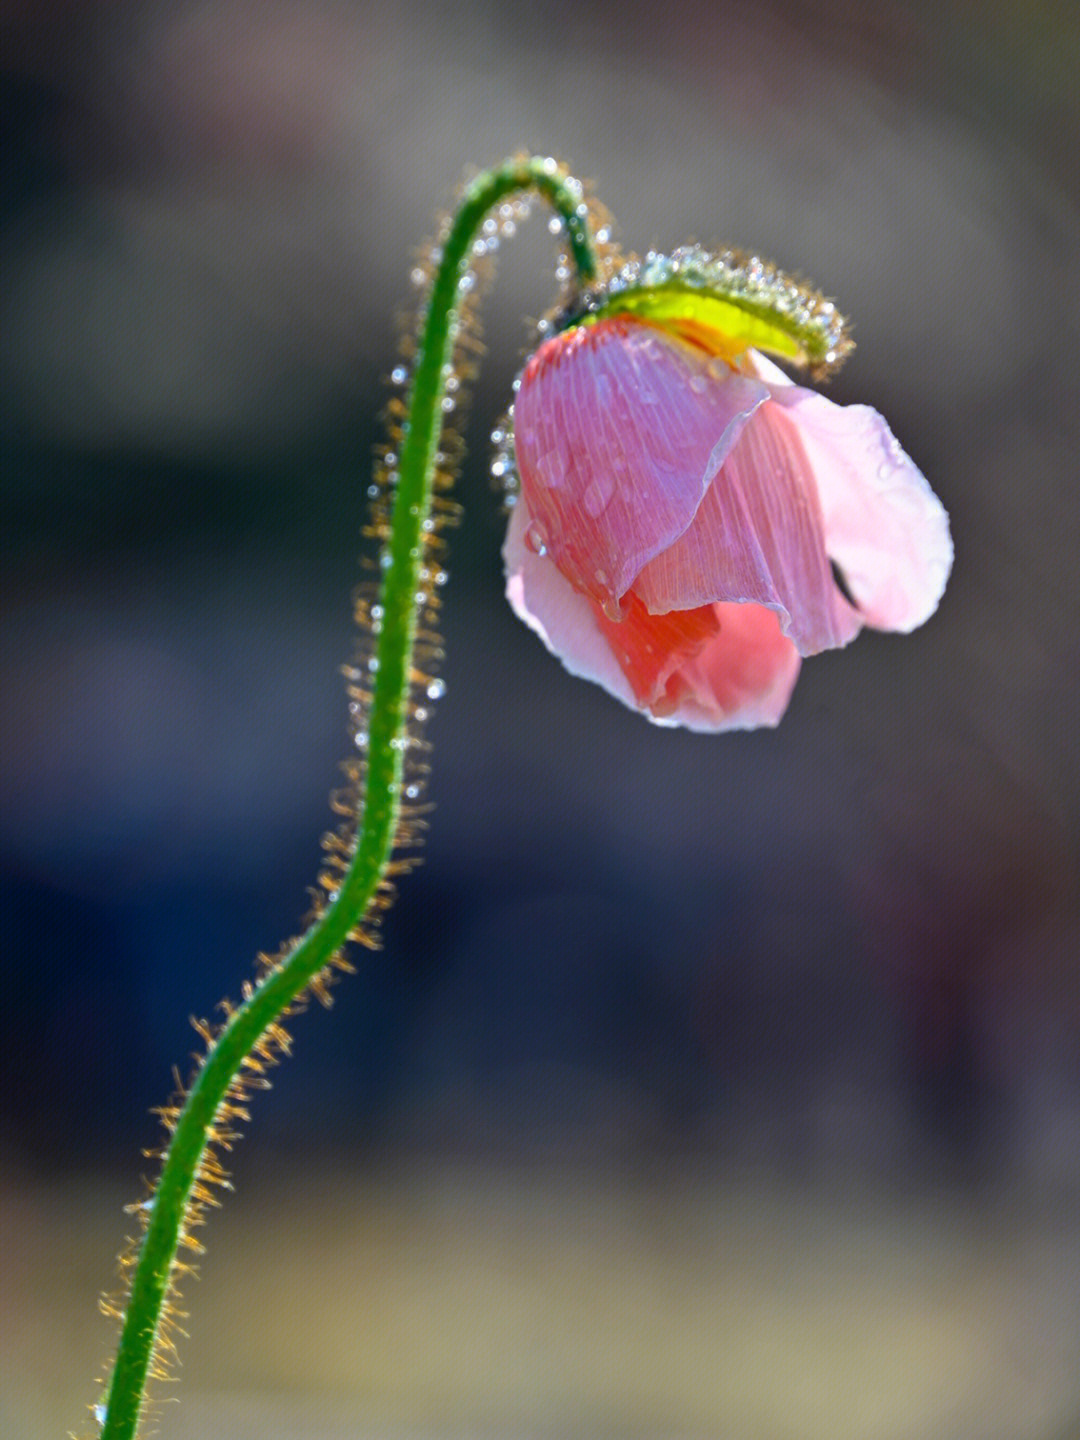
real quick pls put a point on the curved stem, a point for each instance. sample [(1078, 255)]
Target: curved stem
[(377, 824)]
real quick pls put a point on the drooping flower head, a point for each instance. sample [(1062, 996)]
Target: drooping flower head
[(687, 522)]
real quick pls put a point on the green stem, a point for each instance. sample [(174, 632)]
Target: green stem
[(378, 822)]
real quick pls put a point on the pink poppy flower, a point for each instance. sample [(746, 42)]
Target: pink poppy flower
[(689, 523)]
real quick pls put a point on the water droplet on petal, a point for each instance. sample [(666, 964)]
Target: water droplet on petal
[(549, 471), (613, 609), (597, 496), (536, 539), (698, 384)]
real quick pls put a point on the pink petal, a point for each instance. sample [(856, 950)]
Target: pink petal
[(757, 538), (734, 670), (731, 668), (563, 617), (884, 526), (615, 424)]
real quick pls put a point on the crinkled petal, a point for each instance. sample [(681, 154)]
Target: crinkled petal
[(615, 426), (757, 538), (884, 526), (723, 667)]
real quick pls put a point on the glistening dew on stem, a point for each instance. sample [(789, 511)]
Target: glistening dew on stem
[(685, 523)]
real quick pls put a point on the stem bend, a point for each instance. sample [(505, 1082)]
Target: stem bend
[(213, 1103)]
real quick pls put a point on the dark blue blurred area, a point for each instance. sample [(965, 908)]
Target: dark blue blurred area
[(848, 943)]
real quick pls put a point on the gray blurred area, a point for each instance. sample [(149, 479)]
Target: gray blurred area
[(704, 1086)]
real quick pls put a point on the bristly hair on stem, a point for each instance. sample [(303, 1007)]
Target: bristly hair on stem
[(392, 684)]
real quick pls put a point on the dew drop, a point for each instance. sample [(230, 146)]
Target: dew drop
[(448, 403), (399, 375), (597, 496), (418, 275), (412, 791), (373, 665), (549, 471), (536, 539), (555, 225), (613, 609), (436, 689), (99, 1414), (386, 560), (698, 384), (360, 739), (373, 492)]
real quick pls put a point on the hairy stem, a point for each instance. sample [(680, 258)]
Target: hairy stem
[(206, 1104)]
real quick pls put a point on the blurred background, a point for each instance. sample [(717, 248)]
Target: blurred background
[(705, 1086)]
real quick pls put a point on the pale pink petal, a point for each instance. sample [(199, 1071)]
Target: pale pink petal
[(739, 675), (735, 673), (743, 678), (563, 617), (884, 526), (615, 424), (757, 538)]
